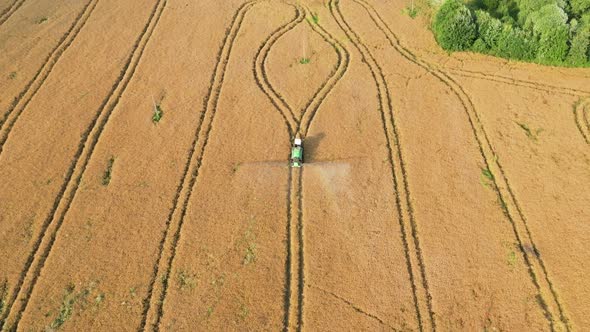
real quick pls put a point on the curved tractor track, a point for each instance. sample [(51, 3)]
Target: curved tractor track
[(293, 205), (7, 13), (308, 114), (337, 73), (297, 123), (21, 102), (295, 232), (154, 304), (548, 296), (262, 77), (410, 239), (519, 82), (17, 304), (581, 110), (301, 125)]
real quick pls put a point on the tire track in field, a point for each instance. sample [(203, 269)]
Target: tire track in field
[(548, 297), (415, 262), (157, 291), (7, 13), (291, 122), (518, 82), (581, 116), (295, 234), (355, 307), (289, 254), (261, 75), (21, 102), (295, 125), (153, 316), (296, 285), (335, 76), (307, 117), (49, 230)]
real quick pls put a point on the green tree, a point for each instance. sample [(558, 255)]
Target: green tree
[(579, 52), (527, 7), (514, 43), (454, 26), (479, 46), (489, 28), (580, 7), (553, 32), (549, 25)]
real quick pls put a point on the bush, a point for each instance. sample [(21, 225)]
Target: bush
[(579, 7), (454, 26), (479, 46), (579, 52), (555, 32), (514, 43), (549, 25), (527, 7), (506, 10), (488, 28)]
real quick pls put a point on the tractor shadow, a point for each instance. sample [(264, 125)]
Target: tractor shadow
[(310, 145)]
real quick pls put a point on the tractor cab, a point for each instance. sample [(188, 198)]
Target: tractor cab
[(297, 153)]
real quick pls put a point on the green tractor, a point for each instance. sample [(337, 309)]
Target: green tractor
[(297, 153)]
